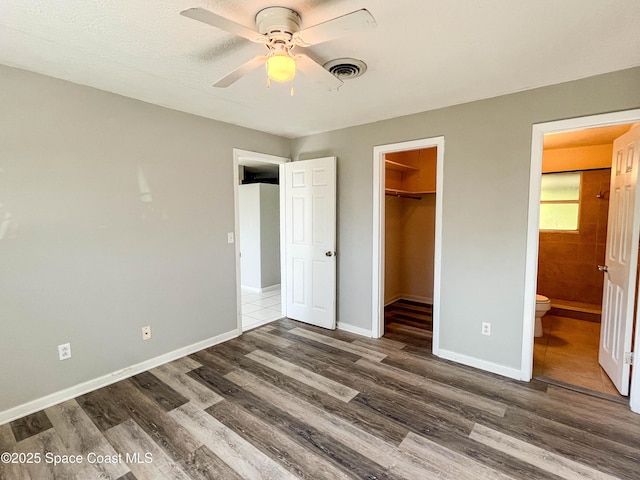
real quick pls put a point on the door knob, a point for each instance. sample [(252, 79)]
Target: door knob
[(329, 254), (603, 268)]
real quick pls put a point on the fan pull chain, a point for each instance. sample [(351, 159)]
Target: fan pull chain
[(268, 82)]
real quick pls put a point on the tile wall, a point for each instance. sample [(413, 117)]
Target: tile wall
[(568, 262)]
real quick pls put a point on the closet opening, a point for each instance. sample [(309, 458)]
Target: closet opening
[(410, 212), (407, 211)]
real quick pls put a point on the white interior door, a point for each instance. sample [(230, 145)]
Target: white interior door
[(621, 261), (310, 240)]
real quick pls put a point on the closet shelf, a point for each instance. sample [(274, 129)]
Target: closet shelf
[(405, 194), (393, 191), (399, 167)]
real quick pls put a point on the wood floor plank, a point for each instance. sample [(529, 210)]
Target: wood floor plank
[(240, 455), (375, 343), (215, 362), (409, 330), (268, 338), (30, 425), (303, 375), (316, 440), (41, 443), (573, 443), (472, 380), (598, 409), (206, 465), (81, 436), (412, 408), (537, 456), (177, 379), (399, 463), (183, 365), (456, 465), (7, 440), (158, 391), (299, 460), (374, 422), (103, 411), (329, 353), (172, 437), (446, 391), (342, 345), (411, 318), (129, 439), (128, 476)]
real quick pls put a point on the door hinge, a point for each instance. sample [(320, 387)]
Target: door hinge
[(628, 358)]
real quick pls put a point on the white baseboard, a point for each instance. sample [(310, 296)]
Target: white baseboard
[(411, 298), (481, 364), (270, 288), (353, 329), (91, 385)]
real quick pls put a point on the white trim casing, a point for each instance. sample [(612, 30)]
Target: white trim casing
[(240, 156), (377, 291), (113, 377), (531, 258)]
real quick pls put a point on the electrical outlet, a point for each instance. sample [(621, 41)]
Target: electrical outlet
[(64, 351), (146, 332), (230, 237), (486, 328)]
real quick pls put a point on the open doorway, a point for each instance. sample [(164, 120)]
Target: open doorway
[(619, 306), (407, 234), (410, 213), (575, 194), (258, 232)]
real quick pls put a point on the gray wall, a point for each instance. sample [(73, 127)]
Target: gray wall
[(486, 181), (249, 218), (259, 214), (85, 260), (409, 248), (270, 234)]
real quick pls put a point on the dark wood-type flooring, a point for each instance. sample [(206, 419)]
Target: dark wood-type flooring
[(288, 401)]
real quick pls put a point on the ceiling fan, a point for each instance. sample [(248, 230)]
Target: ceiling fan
[(278, 28)]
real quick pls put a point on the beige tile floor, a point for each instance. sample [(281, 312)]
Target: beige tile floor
[(260, 308), (568, 352)]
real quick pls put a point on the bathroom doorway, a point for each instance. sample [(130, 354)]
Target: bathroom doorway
[(572, 243), (407, 208)]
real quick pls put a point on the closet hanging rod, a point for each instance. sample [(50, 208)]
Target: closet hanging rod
[(403, 195)]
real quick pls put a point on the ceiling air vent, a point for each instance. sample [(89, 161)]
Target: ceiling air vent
[(346, 68)]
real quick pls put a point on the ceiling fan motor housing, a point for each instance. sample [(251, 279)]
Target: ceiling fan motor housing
[(276, 20)]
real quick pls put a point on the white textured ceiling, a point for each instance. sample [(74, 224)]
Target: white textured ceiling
[(424, 54)]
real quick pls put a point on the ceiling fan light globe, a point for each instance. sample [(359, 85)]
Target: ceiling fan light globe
[(281, 68)]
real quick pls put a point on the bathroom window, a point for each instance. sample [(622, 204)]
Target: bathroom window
[(560, 201)]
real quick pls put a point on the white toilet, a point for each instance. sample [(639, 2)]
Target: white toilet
[(543, 305)]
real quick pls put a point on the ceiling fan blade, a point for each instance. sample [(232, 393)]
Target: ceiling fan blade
[(317, 72), (241, 71), (215, 20), (338, 27)]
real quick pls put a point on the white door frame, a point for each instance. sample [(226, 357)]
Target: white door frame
[(531, 268), (377, 290), (241, 157)]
